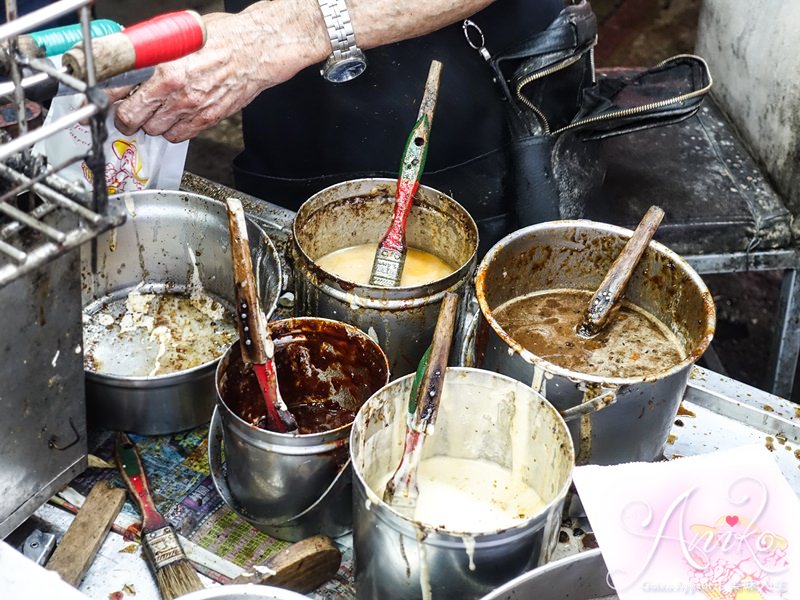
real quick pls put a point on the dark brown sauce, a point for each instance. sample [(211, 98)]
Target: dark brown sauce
[(324, 376), (633, 344)]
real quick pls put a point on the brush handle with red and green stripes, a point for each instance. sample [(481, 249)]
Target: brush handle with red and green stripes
[(390, 257), (132, 472)]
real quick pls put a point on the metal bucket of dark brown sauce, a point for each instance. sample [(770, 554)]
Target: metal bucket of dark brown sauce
[(619, 392), (293, 485)]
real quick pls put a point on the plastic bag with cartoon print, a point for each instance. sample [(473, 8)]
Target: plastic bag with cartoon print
[(133, 162)]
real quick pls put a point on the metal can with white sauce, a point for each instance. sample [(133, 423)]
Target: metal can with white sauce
[(484, 420)]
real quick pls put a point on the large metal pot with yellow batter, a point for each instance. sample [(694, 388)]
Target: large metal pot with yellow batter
[(400, 319), (612, 419)]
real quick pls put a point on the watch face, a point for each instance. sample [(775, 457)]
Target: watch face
[(344, 69)]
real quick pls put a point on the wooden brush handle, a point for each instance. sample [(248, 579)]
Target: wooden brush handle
[(413, 162), (301, 567), (430, 386), (606, 299), (431, 92), (252, 325), (132, 472)]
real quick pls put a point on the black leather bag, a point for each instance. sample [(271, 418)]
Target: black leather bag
[(560, 108)]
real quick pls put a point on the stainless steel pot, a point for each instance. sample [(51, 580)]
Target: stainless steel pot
[(612, 420), (582, 576), (356, 212), (295, 485), (155, 247), (248, 591), (482, 416)]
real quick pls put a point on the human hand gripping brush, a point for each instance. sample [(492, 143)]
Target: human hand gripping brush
[(423, 404), (391, 253), (175, 575), (257, 347), (119, 57)]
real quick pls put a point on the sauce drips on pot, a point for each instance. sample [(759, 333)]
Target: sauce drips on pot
[(634, 343)]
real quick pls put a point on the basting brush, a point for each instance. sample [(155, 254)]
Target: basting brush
[(390, 257), (423, 405), (606, 300), (174, 574), (258, 351)]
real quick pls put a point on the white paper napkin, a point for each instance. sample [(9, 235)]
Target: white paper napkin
[(722, 526)]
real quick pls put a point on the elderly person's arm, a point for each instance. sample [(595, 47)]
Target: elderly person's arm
[(263, 46)]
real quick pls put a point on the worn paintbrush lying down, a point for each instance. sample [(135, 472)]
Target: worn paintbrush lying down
[(174, 574), (390, 256), (301, 567), (401, 491)]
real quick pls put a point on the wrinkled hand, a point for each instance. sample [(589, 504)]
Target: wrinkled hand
[(190, 94)]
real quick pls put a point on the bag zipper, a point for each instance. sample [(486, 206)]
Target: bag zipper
[(647, 107), (567, 62)]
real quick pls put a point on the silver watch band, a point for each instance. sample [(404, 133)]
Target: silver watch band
[(340, 28)]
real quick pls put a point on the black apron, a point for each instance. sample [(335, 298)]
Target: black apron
[(307, 133)]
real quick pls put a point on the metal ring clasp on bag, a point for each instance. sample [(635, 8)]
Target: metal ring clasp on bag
[(471, 28), (468, 26)]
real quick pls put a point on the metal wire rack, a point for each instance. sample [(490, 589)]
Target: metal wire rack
[(43, 215)]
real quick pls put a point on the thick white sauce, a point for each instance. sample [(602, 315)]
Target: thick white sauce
[(463, 495), (145, 335)]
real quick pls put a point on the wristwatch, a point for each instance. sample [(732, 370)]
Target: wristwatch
[(346, 61)]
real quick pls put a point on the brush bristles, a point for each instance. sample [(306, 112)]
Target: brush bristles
[(174, 573), (176, 579)]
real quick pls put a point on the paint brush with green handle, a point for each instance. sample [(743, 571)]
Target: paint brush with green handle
[(423, 405), (390, 256)]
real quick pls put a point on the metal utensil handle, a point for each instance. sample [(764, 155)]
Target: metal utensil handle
[(594, 405), (160, 39)]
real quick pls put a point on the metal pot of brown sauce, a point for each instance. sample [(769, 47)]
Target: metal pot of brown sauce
[(620, 390)]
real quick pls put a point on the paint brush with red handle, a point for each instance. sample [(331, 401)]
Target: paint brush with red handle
[(119, 59), (390, 257), (175, 575), (423, 405), (160, 39), (257, 347)]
